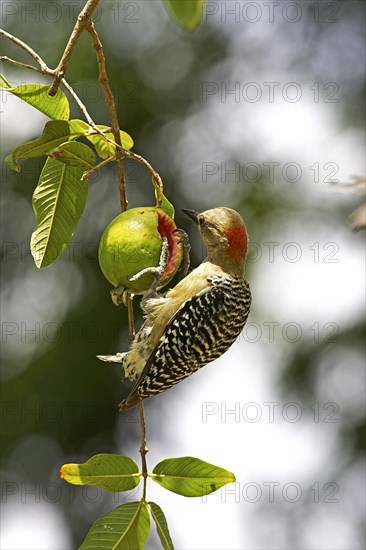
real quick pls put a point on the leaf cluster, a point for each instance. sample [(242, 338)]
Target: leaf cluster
[(61, 192), (128, 525)]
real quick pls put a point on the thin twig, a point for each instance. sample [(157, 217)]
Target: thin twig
[(25, 47), (81, 106), (103, 79), (97, 167), (44, 70), (82, 20), (156, 178), (143, 448)]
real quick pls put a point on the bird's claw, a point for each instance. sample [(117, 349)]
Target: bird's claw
[(158, 271), (186, 250)]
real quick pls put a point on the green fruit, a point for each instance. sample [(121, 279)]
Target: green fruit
[(132, 242)]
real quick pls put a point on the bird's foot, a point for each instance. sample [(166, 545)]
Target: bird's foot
[(157, 273), (186, 262)]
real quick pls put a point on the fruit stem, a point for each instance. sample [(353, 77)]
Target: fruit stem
[(156, 179)]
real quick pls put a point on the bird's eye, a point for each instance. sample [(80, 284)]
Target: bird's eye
[(201, 221)]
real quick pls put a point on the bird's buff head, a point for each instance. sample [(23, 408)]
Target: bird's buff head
[(224, 233)]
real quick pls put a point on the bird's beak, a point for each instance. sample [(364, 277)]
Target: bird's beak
[(193, 214)]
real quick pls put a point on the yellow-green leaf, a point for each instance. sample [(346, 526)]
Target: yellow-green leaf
[(5, 84), (161, 526), (104, 148), (54, 134), (124, 528), (190, 477), (188, 13), (110, 472), (58, 203), (167, 207), (75, 154), (56, 107)]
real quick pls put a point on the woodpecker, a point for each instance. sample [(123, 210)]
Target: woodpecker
[(197, 320)]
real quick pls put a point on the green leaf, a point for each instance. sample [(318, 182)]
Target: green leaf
[(56, 107), (161, 526), (190, 477), (124, 528), (75, 154), (5, 84), (188, 13), (54, 134), (11, 162), (104, 148), (108, 471), (166, 205), (58, 203)]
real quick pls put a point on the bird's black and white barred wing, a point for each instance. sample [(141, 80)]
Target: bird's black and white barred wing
[(202, 329)]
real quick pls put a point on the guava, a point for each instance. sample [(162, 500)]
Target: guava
[(132, 242)]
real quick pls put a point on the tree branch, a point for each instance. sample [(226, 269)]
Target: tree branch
[(44, 69), (120, 152), (82, 20), (41, 70), (157, 181), (103, 79), (27, 48)]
